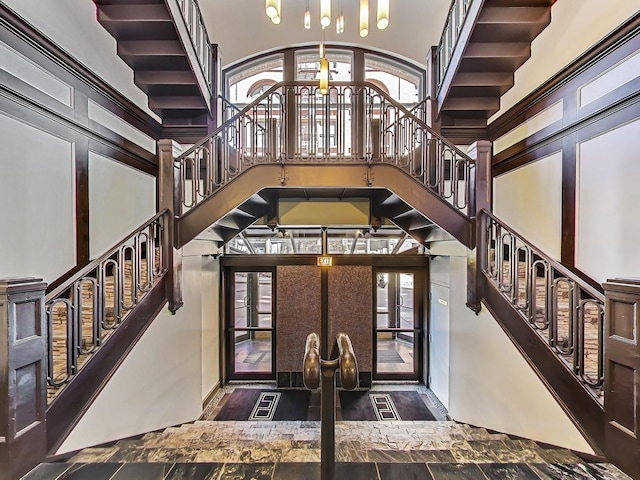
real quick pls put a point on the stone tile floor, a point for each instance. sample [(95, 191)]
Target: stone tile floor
[(291, 450)]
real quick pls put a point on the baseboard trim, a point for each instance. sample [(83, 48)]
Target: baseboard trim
[(209, 398)]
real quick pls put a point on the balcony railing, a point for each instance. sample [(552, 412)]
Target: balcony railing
[(199, 37), (292, 123), (564, 310), (449, 39)]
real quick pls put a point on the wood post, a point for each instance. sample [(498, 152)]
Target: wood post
[(23, 376), (480, 196), (169, 194), (622, 374)]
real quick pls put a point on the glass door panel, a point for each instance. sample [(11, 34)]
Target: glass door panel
[(397, 326), (251, 325)]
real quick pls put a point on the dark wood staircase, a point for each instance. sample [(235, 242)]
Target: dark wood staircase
[(494, 42), (149, 42)]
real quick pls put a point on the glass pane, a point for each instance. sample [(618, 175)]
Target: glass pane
[(241, 300), (252, 352), (249, 82), (400, 81), (395, 352), (406, 300)]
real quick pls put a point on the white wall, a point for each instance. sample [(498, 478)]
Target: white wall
[(529, 200), (160, 383), (120, 200), (576, 25), (72, 25), (210, 325), (607, 207), (37, 193), (491, 384), (439, 328)]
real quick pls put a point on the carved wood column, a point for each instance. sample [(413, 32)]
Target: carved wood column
[(169, 198), (480, 198), (622, 374), (23, 376)]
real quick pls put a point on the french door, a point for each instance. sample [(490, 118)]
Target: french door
[(250, 325), (398, 325)]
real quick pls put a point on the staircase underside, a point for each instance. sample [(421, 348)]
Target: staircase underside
[(149, 43), (393, 195), (492, 49)]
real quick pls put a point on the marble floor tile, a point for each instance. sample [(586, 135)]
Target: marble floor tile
[(517, 456), (605, 471), (395, 456), (432, 456), (455, 471), (298, 470), (404, 471), (94, 455), (47, 471), (508, 471), (557, 455), (240, 471), (143, 471), (195, 471), (549, 471), (472, 456), (356, 471), (301, 455), (90, 471)]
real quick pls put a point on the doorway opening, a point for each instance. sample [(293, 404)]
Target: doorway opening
[(398, 325), (251, 326)]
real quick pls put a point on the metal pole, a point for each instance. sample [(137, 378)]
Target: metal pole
[(328, 423)]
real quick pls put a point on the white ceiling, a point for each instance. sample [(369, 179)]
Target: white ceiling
[(242, 28)]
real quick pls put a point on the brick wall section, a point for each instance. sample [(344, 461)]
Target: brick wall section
[(350, 309), (298, 313)]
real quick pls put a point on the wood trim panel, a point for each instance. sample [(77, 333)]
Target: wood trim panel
[(569, 190), (386, 261), (41, 50), (583, 409), (66, 410), (601, 57)]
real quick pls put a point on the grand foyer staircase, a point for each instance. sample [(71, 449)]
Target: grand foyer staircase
[(422, 178)]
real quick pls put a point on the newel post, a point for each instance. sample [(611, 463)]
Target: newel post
[(170, 198), (480, 195), (621, 338), (23, 376)]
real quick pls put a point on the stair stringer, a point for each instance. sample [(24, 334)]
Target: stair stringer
[(363, 176)]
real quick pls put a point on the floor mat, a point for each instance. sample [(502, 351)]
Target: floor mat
[(374, 406), (255, 404)]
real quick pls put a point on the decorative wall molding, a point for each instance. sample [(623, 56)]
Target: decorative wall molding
[(616, 103)]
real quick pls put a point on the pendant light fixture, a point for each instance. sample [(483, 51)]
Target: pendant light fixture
[(325, 13), (307, 17), (383, 14), (340, 21), (324, 76), (272, 8), (364, 18)]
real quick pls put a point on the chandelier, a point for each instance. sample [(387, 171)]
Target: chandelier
[(274, 12)]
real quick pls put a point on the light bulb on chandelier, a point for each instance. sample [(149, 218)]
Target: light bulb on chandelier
[(273, 9)]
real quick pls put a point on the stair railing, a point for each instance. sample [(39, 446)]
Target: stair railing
[(85, 309), (563, 309), (356, 122), (194, 21), (449, 38)]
